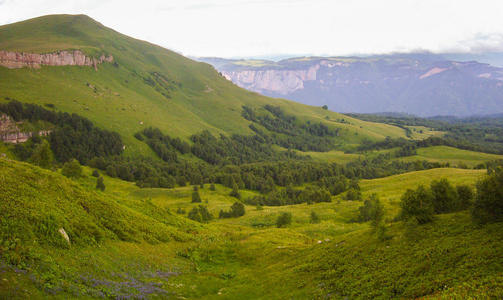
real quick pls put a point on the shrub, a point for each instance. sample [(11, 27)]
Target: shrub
[(72, 169), (417, 204), (373, 211), (284, 219), (235, 192), (42, 156), (195, 197), (200, 214), (445, 198), (95, 173), (100, 185), (237, 210), (313, 218), (488, 205)]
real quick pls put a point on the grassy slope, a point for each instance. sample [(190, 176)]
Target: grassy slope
[(444, 154), (121, 98), (233, 257)]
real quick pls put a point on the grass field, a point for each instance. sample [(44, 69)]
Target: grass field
[(453, 156), (246, 257)]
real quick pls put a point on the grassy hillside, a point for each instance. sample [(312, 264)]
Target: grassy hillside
[(453, 156), (128, 242), (136, 241), (145, 86)]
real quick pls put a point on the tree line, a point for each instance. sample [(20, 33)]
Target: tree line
[(73, 136), (288, 132)]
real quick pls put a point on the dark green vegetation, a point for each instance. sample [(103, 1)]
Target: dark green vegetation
[(482, 134), (222, 193)]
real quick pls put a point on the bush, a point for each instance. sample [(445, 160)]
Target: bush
[(95, 173), (417, 204), (284, 219), (373, 211), (100, 185), (72, 169), (42, 156), (445, 198), (200, 214), (488, 205), (195, 197), (313, 218), (235, 191), (237, 210)]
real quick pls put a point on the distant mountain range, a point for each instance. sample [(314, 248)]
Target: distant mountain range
[(421, 84)]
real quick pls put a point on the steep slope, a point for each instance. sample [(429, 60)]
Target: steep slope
[(425, 85), (128, 84)]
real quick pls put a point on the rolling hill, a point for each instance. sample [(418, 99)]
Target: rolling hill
[(141, 85), (162, 224)]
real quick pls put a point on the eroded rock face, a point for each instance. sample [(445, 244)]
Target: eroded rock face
[(279, 81), (10, 133), (14, 60)]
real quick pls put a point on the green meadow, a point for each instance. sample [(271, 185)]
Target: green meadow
[(145, 238)]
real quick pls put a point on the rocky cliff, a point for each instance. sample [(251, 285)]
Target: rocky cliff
[(425, 85), (10, 132), (280, 81), (15, 60)]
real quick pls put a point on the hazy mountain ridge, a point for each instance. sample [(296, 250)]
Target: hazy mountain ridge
[(422, 84)]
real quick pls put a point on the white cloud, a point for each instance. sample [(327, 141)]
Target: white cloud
[(258, 27)]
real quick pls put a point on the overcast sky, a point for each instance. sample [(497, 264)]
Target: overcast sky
[(252, 28)]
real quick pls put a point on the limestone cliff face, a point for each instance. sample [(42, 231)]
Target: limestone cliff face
[(279, 81), (14, 60), (10, 133)]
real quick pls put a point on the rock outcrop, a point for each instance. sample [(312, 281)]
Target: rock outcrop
[(14, 60), (10, 133), (421, 84), (279, 81)]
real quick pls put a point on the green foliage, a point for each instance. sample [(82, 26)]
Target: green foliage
[(314, 218), (465, 196), (95, 173), (418, 204), (306, 137), (200, 214), (74, 136), (373, 211), (445, 198), (284, 219), (237, 210), (353, 195), (235, 191), (196, 198), (488, 205), (72, 169), (100, 184), (212, 187), (42, 155), (290, 195)]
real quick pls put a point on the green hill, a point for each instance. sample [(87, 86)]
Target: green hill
[(146, 85), (153, 236), (128, 242)]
